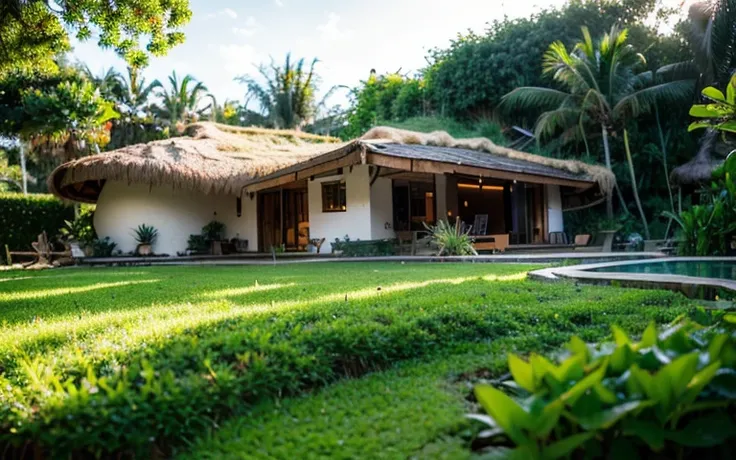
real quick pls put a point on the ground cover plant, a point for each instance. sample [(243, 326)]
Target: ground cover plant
[(145, 360)]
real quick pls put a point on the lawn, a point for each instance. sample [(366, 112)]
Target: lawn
[(343, 360)]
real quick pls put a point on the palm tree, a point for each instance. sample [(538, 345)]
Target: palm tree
[(180, 101), (135, 91), (109, 82), (603, 88), (288, 97)]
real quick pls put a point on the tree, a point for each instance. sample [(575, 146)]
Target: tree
[(467, 79), (179, 104), (33, 31), (109, 82), (288, 97), (603, 89), (68, 120)]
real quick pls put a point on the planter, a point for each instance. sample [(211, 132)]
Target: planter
[(144, 250)]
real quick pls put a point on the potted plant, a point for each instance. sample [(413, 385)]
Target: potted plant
[(80, 234), (145, 236)]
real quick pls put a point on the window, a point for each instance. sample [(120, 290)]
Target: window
[(333, 197)]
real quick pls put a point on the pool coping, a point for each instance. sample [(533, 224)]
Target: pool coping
[(681, 283)]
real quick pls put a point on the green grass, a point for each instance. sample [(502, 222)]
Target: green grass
[(133, 360)]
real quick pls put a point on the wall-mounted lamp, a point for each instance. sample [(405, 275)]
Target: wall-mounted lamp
[(238, 206), (449, 213), (465, 204)]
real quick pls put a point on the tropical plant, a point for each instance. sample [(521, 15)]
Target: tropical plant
[(81, 229), (670, 395), (33, 31), (109, 82), (103, 247), (720, 113), (288, 97), (145, 234), (709, 228), (451, 240), (603, 89), (214, 230), (68, 120), (180, 103)]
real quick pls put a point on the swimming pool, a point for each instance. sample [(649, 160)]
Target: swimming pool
[(722, 269), (698, 277)]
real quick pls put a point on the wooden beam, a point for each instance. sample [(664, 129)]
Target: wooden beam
[(436, 167), (271, 183), (349, 160)]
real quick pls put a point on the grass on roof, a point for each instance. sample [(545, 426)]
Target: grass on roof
[(150, 360)]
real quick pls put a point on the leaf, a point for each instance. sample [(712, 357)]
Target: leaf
[(642, 382), (620, 336), (703, 111), (707, 431), (622, 358), (548, 419), (699, 381), (607, 418), (505, 411), (577, 346), (714, 94), (486, 419), (731, 90), (522, 373), (698, 125), (583, 385), (565, 446), (571, 369), (649, 338), (729, 126), (678, 373), (647, 431)]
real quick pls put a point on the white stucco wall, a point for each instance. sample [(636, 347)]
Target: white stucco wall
[(382, 209), (355, 221), (176, 214), (554, 209)]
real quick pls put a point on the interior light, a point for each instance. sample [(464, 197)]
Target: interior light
[(465, 204), (449, 213)]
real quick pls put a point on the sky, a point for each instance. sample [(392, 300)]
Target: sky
[(229, 38)]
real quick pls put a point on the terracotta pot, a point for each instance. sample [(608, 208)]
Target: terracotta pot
[(144, 250)]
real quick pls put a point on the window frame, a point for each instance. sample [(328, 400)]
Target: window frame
[(342, 198)]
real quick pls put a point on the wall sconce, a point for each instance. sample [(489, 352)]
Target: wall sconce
[(238, 206), (449, 213), (465, 204)]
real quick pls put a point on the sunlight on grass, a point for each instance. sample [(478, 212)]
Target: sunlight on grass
[(232, 292), (17, 295)]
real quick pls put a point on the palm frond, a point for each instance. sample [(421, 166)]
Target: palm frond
[(533, 97), (643, 101)]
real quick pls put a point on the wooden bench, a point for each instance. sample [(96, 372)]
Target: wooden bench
[(491, 242), (42, 253)]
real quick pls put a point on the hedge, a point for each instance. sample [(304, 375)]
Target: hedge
[(25, 217)]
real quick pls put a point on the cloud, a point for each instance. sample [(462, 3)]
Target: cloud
[(226, 12), (330, 31), (239, 59), (278, 3), (250, 27)]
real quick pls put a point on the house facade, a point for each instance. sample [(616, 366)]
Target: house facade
[(368, 189)]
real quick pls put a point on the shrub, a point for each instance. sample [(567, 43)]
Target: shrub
[(452, 240), (214, 230), (145, 234), (81, 229), (364, 248), (103, 247), (667, 396), (25, 217)]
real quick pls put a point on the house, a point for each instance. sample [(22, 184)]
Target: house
[(281, 188)]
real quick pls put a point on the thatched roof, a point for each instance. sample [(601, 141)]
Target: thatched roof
[(605, 178), (700, 169), (211, 158)]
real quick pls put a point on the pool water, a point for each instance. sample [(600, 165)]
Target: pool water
[(723, 269)]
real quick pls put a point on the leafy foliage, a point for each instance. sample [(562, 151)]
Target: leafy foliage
[(364, 248), (180, 102), (145, 234), (80, 229), (68, 119), (668, 396), (720, 113), (25, 217), (35, 30), (709, 228), (451, 240), (288, 98)]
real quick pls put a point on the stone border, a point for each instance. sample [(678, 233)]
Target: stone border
[(689, 285)]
